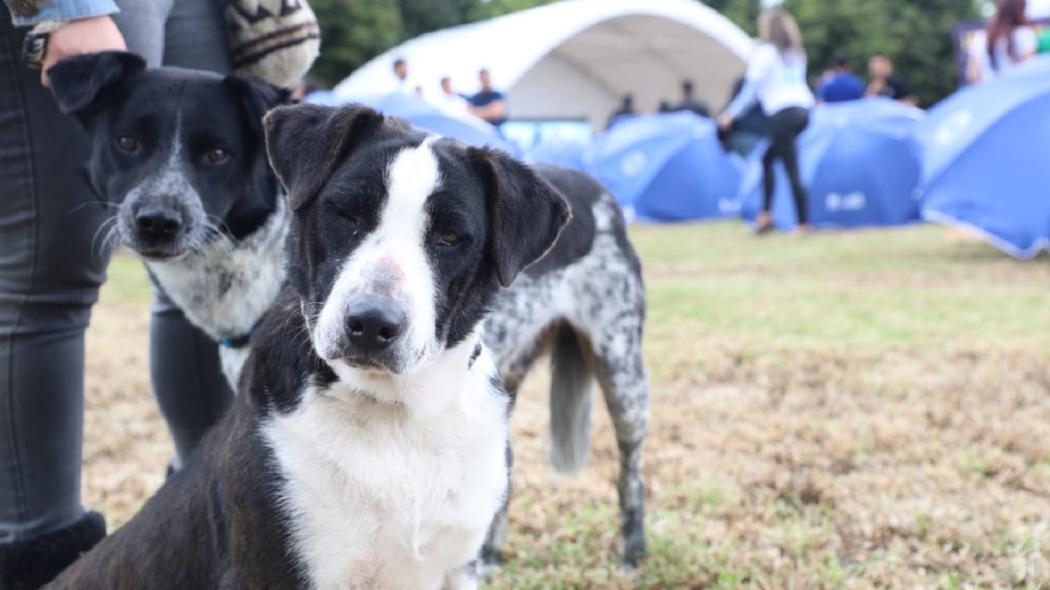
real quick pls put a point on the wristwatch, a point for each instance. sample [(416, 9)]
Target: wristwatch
[(34, 47)]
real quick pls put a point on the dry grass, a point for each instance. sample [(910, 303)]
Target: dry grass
[(855, 410)]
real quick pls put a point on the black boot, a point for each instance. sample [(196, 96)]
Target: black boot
[(27, 565)]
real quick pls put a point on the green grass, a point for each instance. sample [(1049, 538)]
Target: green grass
[(864, 291)]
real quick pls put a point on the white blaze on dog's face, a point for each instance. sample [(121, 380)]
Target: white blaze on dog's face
[(399, 241), (380, 312)]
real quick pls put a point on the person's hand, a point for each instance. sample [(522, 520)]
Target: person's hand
[(88, 35), (725, 121)]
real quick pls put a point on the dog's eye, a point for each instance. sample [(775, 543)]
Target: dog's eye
[(217, 155), (447, 239), (128, 144)]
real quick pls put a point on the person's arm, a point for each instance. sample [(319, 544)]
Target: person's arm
[(26, 13), (88, 35), (757, 70), (973, 64), (1027, 43), (84, 26), (494, 110)]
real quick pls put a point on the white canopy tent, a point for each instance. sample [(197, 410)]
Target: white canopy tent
[(575, 58)]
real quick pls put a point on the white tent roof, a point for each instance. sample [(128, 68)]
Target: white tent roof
[(575, 58)]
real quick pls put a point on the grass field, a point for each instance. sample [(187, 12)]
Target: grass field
[(849, 410)]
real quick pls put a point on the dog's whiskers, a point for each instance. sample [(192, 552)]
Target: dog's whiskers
[(109, 233)]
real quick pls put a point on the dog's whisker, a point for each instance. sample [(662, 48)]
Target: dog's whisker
[(111, 222)]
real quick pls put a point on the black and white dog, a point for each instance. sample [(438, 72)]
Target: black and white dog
[(181, 153), (367, 446)]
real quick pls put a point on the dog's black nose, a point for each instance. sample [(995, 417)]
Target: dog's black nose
[(158, 222), (373, 323)]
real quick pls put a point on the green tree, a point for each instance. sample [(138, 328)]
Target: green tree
[(742, 12), (423, 16), (491, 8), (353, 32)]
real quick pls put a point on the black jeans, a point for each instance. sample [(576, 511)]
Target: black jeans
[(784, 129), (51, 266)]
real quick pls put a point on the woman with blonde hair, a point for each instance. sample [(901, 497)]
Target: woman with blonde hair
[(776, 79)]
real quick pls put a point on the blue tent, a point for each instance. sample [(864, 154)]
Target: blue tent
[(426, 116), (860, 162), (667, 167), (570, 154), (987, 151)]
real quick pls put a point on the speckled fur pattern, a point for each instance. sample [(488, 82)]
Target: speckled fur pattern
[(224, 286), (602, 297)]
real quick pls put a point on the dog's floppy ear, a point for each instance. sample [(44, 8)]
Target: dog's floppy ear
[(257, 97), (527, 214), (83, 84), (306, 142)]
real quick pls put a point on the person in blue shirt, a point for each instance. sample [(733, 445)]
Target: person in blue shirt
[(489, 104), (841, 85)]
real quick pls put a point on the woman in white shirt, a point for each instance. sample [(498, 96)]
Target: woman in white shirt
[(776, 79), (1008, 41)]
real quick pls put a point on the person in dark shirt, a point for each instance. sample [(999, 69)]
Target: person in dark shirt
[(626, 109), (885, 83), (691, 103), (489, 104), (841, 85), (664, 106)]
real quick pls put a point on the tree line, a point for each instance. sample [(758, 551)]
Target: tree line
[(916, 35)]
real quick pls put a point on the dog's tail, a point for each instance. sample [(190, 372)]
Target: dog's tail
[(570, 402)]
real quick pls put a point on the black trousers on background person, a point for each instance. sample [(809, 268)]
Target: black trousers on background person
[(784, 129), (51, 267)]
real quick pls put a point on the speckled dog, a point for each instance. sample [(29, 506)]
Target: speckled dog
[(585, 301)]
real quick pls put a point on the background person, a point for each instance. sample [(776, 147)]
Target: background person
[(51, 269), (841, 85), (776, 78), (402, 85), (449, 101), (690, 103), (885, 83), (489, 104), (1009, 41), (626, 109)]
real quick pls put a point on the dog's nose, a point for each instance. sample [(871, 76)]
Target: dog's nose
[(158, 222), (373, 323)]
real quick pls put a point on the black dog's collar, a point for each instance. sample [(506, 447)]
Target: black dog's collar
[(238, 342)]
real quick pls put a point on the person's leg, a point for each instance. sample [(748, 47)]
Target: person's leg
[(191, 389), (195, 36), (793, 122), (51, 267), (768, 178), (142, 24), (764, 221)]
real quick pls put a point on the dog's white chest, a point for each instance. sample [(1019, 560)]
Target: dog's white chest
[(377, 500)]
